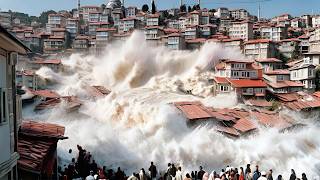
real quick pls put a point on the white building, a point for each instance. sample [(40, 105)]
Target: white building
[(131, 11), (153, 20), (86, 10), (176, 41), (5, 19), (72, 26), (10, 105), (274, 33), (222, 13), (239, 14), (260, 49), (314, 41), (304, 73), (243, 30), (128, 24), (316, 21)]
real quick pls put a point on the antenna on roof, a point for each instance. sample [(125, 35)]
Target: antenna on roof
[(78, 5), (259, 12)]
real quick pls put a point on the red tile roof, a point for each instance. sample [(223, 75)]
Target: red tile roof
[(221, 80), (243, 83), (48, 61), (193, 110), (244, 125), (269, 60), (256, 41), (283, 84), (258, 103), (278, 72), (46, 94), (317, 94), (44, 130), (98, 91)]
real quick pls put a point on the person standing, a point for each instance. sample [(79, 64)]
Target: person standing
[(269, 177), (256, 173), (293, 175), (179, 174), (247, 172), (153, 171), (241, 174), (304, 176), (200, 173)]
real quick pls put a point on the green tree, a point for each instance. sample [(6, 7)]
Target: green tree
[(183, 8), (43, 19), (145, 8), (153, 8)]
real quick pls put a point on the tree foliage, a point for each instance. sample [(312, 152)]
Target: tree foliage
[(183, 8), (153, 8), (145, 8), (43, 19)]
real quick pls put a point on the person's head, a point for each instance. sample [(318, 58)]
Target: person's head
[(169, 164), (188, 175), (257, 167), (142, 170), (279, 177), (91, 173), (73, 160), (292, 171), (304, 176), (241, 169), (119, 169), (151, 163), (248, 165), (104, 168), (172, 165), (263, 173), (70, 151), (200, 168), (270, 171), (222, 170), (93, 161), (179, 168)]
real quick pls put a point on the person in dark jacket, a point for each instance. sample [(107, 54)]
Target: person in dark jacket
[(153, 171), (201, 173), (269, 176), (304, 176), (279, 177), (247, 171), (256, 173), (293, 175)]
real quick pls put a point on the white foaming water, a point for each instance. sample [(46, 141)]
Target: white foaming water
[(135, 124)]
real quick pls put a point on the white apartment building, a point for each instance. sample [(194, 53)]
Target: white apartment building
[(304, 73), (191, 32), (274, 33), (194, 18), (238, 69), (239, 14), (243, 30), (131, 11), (56, 20), (316, 21), (260, 49), (153, 20), (5, 19), (222, 13), (10, 105), (176, 41), (153, 32), (94, 16), (314, 41), (128, 24), (86, 10), (72, 26)]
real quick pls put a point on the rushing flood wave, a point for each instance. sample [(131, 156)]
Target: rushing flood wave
[(136, 123)]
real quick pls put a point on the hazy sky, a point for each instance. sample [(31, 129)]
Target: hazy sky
[(269, 8)]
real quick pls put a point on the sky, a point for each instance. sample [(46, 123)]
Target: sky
[(269, 8)]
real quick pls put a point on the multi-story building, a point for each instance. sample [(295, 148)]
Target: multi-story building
[(153, 32), (103, 38), (283, 19), (191, 32), (176, 41), (28, 79), (239, 14), (304, 44), (10, 105), (222, 13), (81, 43), (316, 21), (296, 23), (153, 20), (72, 26), (306, 21), (94, 16), (243, 30), (289, 48), (56, 21), (5, 19), (86, 10), (129, 24), (279, 82), (131, 11), (304, 73), (269, 64), (207, 30), (274, 33), (260, 49), (194, 18), (314, 41)]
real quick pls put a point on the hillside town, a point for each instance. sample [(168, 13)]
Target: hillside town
[(279, 68)]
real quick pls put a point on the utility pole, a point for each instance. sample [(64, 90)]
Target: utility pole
[(259, 12)]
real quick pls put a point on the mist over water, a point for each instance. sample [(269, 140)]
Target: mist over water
[(136, 123)]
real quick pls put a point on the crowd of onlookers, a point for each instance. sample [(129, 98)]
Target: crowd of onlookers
[(85, 167)]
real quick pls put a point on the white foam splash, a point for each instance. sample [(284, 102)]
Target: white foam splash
[(135, 124)]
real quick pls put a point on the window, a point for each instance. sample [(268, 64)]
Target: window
[(3, 106)]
